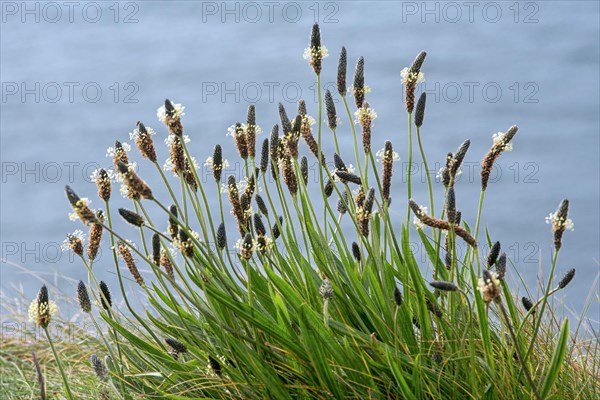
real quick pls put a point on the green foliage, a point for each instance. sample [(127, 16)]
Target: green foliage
[(298, 316)]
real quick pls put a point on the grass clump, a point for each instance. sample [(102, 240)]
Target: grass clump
[(316, 292)]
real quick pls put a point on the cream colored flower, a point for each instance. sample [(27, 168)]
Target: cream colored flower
[(409, 76)]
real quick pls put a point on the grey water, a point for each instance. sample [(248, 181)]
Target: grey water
[(75, 78)]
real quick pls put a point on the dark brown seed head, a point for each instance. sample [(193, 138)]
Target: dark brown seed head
[(330, 109), (75, 244), (144, 142), (493, 256), (365, 119), (286, 125), (398, 296), (177, 155), (156, 248), (527, 303), (304, 169), (239, 137), (356, 251), (420, 110), (214, 365), (95, 236), (316, 55), (136, 187), (130, 262), (359, 199), (275, 229), (501, 266), (302, 108), (387, 162), (291, 140), (247, 247), (173, 227), (341, 73), (359, 83), (217, 163), (186, 244), (342, 206), (169, 108), (176, 345), (42, 297), (363, 213), (120, 154), (251, 131), (444, 286), (103, 184), (234, 200), (451, 205), (80, 206), (458, 158), (313, 145), (369, 200), (83, 298), (339, 163), (328, 189), (487, 164), (251, 118), (566, 279), (221, 236), (289, 175), (446, 170), (559, 223), (433, 308), (165, 262), (131, 217), (264, 156), (259, 227), (105, 297), (173, 120), (418, 63), (273, 150), (345, 176), (262, 206), (99, 368)]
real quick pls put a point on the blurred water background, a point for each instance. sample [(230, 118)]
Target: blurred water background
[(77, 77)]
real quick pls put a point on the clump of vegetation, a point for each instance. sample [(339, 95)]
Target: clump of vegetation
[(309, 289)]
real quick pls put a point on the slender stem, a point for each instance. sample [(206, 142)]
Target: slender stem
[(60, 366), (544, 303), (351, 122), (477, 224), (518, 350), (431, 203), (409, 169)]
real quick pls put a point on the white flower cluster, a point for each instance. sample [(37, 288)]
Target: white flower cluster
[(498, 139), (77, 234), (136, 133), (161, 112), (364, 113), (169, 140), (110, 152), (381, 153), (416, 221), (309, 54), (407, 75), (558, 223)]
